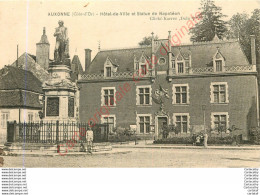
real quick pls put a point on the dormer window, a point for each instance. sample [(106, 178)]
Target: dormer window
[(109, 68), (218, 62), (144, 69), (180, 64), (180, 67), (219, 66), (141, 65), (108, 72)]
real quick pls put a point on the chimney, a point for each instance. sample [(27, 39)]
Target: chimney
[(87, 58), (152, 43), (169, 42), (153, 56), (253, 51)]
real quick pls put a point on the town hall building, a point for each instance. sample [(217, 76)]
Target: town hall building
[(192, 87)]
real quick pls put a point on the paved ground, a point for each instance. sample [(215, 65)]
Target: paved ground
[(145, 157)]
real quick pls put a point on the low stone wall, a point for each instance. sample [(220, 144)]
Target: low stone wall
[(17, 148)]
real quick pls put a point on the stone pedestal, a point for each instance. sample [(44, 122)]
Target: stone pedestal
[(60, 95)]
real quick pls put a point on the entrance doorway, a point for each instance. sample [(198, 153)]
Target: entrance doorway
[(161, 122)]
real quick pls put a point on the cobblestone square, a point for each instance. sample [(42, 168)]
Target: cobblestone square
[(145, 157)]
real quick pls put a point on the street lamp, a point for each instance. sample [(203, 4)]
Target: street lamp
[(205, 133)]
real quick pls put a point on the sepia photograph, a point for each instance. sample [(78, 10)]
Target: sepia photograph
[(120, 84)]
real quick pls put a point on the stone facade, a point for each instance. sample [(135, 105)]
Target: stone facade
[(197, 84), (20, 98), (26, 115)]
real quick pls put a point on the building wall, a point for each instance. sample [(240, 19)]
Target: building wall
[(13, 115), (242, 96)]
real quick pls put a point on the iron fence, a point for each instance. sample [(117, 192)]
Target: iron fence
[(54, 132)]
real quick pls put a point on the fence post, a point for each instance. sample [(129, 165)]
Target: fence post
[(15, 131), (57, 132)]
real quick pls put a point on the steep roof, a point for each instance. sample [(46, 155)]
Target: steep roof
[(124, 58), (11, 98), (76, 65), (12, 78), (201, 55), (76, 68), (28, 62), (44, 38)]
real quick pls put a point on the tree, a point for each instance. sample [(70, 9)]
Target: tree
[(147, 41), (253, 28), (237, 25), (210, 24), (241, 26), (238, 30)]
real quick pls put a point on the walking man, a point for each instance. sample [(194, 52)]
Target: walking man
[(89, 140)]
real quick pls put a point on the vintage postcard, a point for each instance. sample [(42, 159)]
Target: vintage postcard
[(130, 83)]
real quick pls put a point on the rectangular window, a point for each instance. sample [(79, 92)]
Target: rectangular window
[(219, 93), (110, 121), (144, 94), (144, 124), (218, 65), (30, 117), (71, 107), (108, 97), (4, 119), (180, 94), (219, 121), (180, 67), (108, 72), (181, 122), (144, 69), (52, 106)]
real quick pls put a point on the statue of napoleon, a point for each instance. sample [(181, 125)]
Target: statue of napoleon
[(62, 43)]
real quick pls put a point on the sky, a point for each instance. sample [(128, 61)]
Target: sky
[(22, 22)]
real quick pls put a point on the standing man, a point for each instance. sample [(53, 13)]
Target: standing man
[(205, 139), (89, 140), (62, 42)]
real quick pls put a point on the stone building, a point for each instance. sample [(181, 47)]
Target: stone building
[(206, 85), (20, 97)]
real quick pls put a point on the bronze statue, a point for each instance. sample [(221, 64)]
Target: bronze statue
[(62, 43)]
